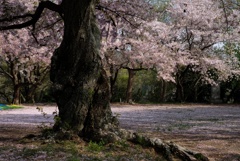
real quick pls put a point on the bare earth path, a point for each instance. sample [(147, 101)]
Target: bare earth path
[(210, 129)]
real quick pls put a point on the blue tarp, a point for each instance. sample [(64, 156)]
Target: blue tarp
[(5, 107)]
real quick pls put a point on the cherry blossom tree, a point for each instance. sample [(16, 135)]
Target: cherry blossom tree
[(185, 43), (199, 28), (22, 69), (128, 39), (26, 53), (181, 44)]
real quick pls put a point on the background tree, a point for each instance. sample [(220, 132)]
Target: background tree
[(26, 53), (23, 66), (199, 27)]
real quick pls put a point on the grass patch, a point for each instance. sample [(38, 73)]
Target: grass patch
[(64, 150), (7, 149), (27, 152), (179, 126), (95, 147), (209, 120)]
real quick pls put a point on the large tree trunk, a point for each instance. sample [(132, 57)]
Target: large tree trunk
[(81, 85)]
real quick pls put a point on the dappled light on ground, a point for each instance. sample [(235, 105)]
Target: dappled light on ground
[(213, 130)]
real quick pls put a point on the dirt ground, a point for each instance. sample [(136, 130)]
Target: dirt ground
[(213, 130)]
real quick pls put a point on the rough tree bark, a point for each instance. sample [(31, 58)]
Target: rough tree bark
[(81, 84), (16, 85), (113, 77), (180, 78), (131, 74), (16, 95), (163, 89), (179, 89)]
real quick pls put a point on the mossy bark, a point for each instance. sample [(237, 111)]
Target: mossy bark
[(80, 83)]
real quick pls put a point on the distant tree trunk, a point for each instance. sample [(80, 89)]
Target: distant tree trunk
[(16, 85), (216, 94), (81, 84), (179, 89), (31, 93), (195, 94), (163, 88), (16, 95), (129, 92), (180, 82), (113, 78)]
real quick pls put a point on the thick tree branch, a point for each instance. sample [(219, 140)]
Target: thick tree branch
[(207, 46), (135, 69), (35, 17), (12, 18)]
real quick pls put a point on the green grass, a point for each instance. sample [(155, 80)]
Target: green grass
[(95, 147), (87, 151), (179, 126), (209, 119)]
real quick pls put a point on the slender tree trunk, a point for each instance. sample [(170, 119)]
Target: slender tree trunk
[(179, 90), (16, 95), (195, 94), (81, 85), (163, 89), (31, 93), (16, 85), (113, 78), (131, 74)]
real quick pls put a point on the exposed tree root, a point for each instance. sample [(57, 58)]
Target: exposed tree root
[(169, 150)]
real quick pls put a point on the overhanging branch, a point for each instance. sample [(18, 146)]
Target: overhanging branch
[(207, 46), (12, 18), (34, 17), (135, 69), (117, 13)]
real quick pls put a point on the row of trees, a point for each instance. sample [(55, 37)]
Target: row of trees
[(140, 86), (176, 39), (147, 89)]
